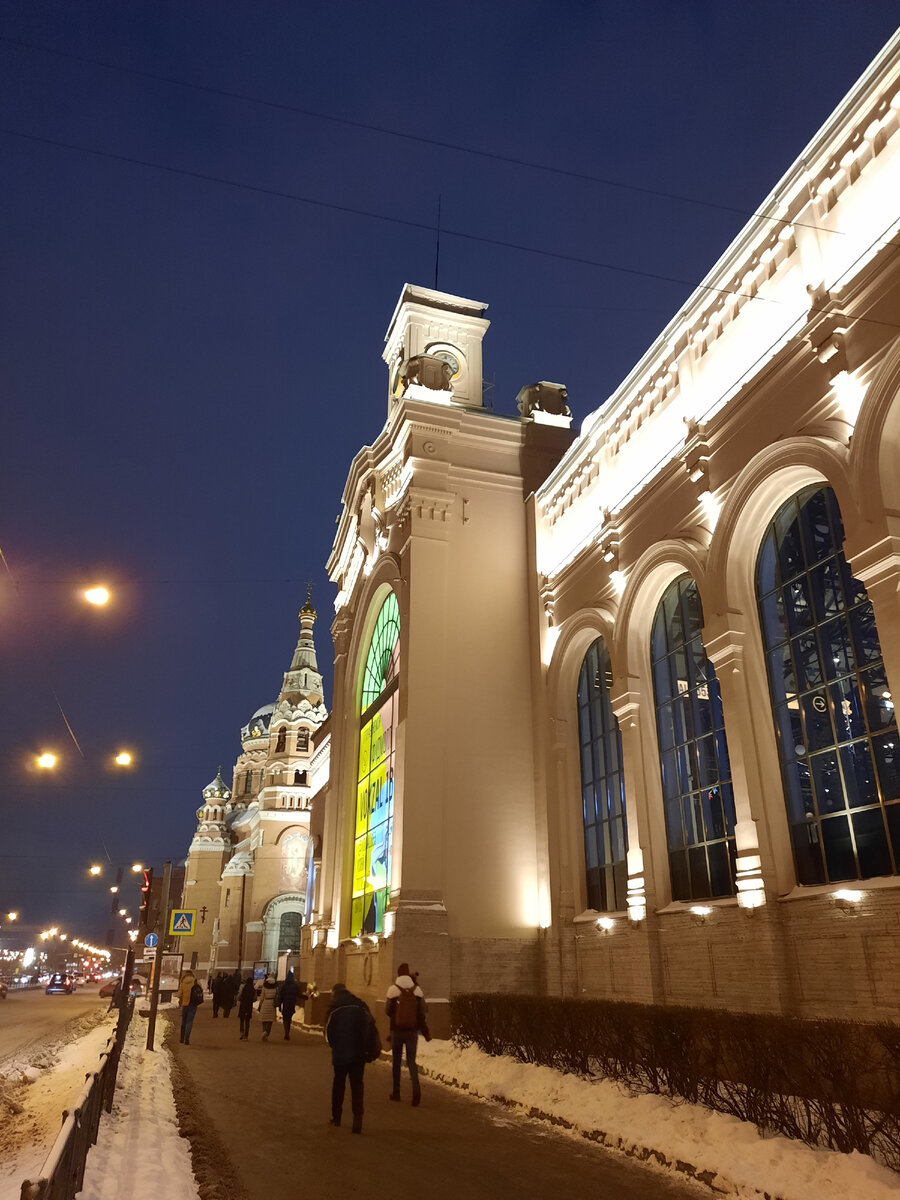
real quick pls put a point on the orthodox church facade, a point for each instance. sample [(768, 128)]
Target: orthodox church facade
[(248, 871), (613, 715)]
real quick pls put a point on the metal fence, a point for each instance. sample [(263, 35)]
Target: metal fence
[(63, 1172)]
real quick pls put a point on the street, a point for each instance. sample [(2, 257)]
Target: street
[(31, 1016)]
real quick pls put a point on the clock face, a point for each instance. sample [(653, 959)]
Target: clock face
[(451, 357)]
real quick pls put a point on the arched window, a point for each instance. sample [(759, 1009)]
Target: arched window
[(303, 741), (282, 741), (696, 774), (602, 785), (289, 932), (834, 715), (375, 787)]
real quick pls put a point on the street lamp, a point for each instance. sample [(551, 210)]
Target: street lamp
[(12, 916), (95, 870), (46, 761), (137, 867), (97, 595), (123, 759)]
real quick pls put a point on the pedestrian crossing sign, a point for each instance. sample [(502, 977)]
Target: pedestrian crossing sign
[(182, 921)]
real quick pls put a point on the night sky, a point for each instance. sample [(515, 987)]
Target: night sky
[(189, 361)]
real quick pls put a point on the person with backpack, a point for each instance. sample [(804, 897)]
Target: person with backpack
[(406, 1007), (349, 1030), (267, 1005), (190, 996)]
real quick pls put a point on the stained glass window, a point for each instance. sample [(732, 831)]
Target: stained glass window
[(693, 750), (375, 779), (834, 714), (602, 785)]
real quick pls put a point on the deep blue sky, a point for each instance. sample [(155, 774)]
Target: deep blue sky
[(187, 368)]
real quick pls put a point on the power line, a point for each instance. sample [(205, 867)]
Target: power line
[(369, 127)]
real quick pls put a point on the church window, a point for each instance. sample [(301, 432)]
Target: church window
[(303, 741), (375, 779), (602, 785), (248, 783), (696, 773), (301, 778), (835, 721), (282, 741), (227, 897), (289, 932)]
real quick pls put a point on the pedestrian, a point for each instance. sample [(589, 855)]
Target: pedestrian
[(217, 993), (245, 1007), (190, 997), (406, 1007), (267, 1005), (287, 1002), (227, 994), (347, 1031)]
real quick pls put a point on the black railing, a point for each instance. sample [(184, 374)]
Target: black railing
[(63, 1172)]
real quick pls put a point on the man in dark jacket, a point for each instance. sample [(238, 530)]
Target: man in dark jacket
[(347, 1031)]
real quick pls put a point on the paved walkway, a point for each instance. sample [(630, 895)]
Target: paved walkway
[(265, 1106)]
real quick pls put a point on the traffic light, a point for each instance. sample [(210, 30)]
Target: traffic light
[(144, 921)]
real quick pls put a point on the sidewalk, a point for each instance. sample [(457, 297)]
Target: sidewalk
[(258, 1118)]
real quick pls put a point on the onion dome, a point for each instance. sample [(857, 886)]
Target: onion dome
[(218, 789)]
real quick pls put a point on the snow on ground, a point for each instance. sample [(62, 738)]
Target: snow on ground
[(140, 1151), (36, 1084), (739, 1161)]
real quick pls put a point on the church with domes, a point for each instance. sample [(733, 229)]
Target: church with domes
[(250, 865)]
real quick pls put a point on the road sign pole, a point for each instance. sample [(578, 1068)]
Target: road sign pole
[(157, 964)]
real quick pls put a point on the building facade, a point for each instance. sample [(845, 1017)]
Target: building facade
[(613, 714), (248, 869)]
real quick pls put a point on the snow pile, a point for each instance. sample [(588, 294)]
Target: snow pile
[(139, 1149), (724, 1152), (44, 1054)]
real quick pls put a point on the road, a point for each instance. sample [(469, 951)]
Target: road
[(32, 1016)]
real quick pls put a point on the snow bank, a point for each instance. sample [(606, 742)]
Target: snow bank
[(727, 1153), (140, 1151)]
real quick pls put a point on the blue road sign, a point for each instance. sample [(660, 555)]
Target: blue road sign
[(151, 940)]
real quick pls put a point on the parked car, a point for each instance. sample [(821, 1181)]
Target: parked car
[(137, 988), (60, 984)]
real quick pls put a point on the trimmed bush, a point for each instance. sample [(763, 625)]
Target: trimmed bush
[(827, 1083)]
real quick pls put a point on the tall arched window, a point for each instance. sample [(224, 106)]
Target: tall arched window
[(834, 715), (282, 741), (602, 785), (375, 787), (696, 774)]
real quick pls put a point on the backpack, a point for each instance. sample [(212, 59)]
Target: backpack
[(406, 1009), (196, 995), (373, 1041)]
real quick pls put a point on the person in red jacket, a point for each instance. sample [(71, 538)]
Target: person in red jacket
[(406, 1007)]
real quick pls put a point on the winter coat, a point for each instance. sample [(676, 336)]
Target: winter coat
[(405, 982), (267, 1001), (227, 991), (188, 980), (287, 999), (247, 1000), (347, 1029)]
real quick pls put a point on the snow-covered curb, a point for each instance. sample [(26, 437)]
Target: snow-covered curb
[(721, 1151), (140, 1150)]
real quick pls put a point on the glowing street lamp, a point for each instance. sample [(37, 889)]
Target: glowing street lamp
[(95, 870), (137, 867), (97, 596), (123, 759), (122, 912), (12, 916), (46, 761)]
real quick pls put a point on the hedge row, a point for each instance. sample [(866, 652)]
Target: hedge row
[(826, 1083)]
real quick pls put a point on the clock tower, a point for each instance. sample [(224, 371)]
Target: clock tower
[(433, 348)]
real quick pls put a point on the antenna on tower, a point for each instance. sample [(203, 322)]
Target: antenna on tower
[(437, 245)]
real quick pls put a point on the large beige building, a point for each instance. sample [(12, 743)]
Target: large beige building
[(613, 713)]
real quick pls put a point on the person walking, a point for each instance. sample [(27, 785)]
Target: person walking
[(287, 1002), (405, 1006), (217, 993), (267, 1005), (227, 994), (347, 1029), (245, 1007), (190, 997)]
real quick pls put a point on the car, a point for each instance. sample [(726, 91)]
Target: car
[(60, 985), (137, 988)]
